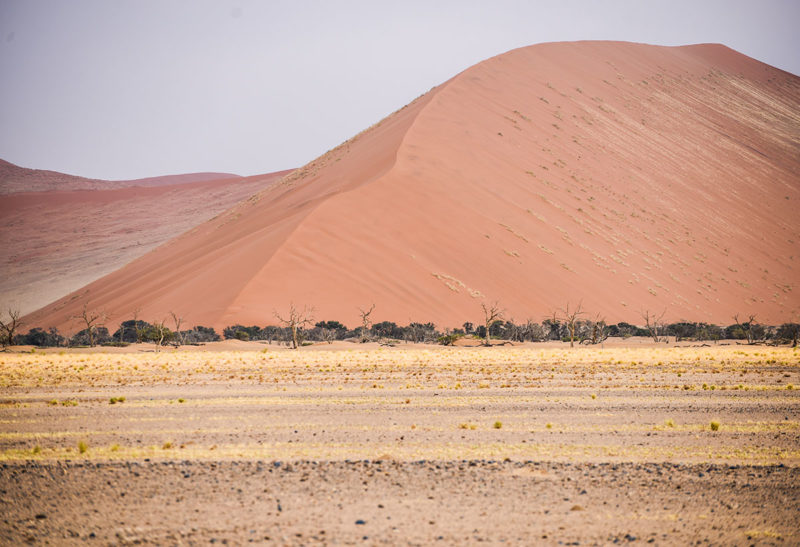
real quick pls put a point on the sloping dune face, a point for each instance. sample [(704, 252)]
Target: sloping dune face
[(54, 242), (627, 177)]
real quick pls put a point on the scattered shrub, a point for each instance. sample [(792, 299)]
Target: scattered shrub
[(40, 338), (448, 339)]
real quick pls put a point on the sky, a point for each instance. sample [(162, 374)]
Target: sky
[(136, 88)]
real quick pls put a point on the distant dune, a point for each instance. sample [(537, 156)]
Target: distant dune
[(14, 179), (54, 242), (626, 176)]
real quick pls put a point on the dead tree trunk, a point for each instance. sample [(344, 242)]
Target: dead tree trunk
[(571, 319), (491, 314), (178, 321), (366, 322), (90, 318), (295, 320), (9, 328), (653, 324)]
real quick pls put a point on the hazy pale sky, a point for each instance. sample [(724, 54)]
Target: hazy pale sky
[(135, 88)]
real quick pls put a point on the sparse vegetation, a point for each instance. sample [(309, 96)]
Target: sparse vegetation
[(9, 326)]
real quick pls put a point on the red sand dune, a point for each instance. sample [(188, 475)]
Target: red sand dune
[(14, 178), (626, 176), (54, 242)]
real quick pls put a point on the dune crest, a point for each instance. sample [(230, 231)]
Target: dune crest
[(626, 176)]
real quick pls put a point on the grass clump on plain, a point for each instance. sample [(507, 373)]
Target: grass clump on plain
[(714, 425)]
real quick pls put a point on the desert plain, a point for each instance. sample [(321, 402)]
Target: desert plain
[(347, 443)]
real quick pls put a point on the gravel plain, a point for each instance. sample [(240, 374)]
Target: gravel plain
[(402, 446)]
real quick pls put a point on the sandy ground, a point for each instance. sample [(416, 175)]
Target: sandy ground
[(402, 446), (405, 503)]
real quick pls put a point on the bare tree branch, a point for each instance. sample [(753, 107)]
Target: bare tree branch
[(366, 322), (571, 318), (491, 313), (653, 323), (91, 318), (748, 327), (8, 328), (296, 320), (178, 321), (599, 329), (160, 333)]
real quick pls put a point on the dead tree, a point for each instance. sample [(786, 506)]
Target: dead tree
[(161, 333), (653, 323), (366, 322), (491, 314), (599, 329), (90, 318), (9, 328), (749, 328), (534, 331), (328, 335), (178, 321), (571, 319), (138, 327), (296, 320)]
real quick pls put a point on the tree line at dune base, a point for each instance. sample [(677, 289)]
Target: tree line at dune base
[(554, 329)]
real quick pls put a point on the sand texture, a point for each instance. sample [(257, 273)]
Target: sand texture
[(626, 176)]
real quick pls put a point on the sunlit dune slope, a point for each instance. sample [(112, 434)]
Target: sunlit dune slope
[(626, 176)]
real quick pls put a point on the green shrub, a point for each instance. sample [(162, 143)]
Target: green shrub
[(448, 339)]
